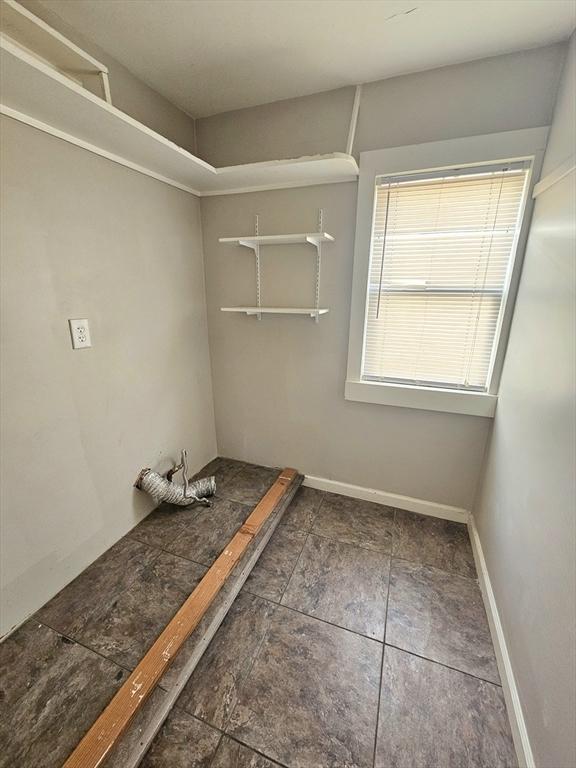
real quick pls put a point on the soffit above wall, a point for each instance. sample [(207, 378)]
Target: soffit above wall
[(210, 57)]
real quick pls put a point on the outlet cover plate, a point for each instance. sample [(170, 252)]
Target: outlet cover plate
[(80, 333)]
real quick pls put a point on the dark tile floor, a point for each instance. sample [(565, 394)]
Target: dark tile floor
[(359, 640)]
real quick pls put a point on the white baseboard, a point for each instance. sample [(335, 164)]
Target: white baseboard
[(515, 714), (423, 507)]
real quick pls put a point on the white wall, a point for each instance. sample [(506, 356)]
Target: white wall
[(84, 237), (501, 93), (279, 383), (308, 125), (526, 507)]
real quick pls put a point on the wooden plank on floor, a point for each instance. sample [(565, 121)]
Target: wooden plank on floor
[(108, 728)]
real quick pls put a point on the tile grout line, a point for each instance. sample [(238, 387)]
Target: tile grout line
[(251, 667), (133, 532), (220, 740), (381, 676), (173, 554), (316, 618), (265, 635), (257, 751), (93, 613), (391, 555), (435, 567), (83, 645), (446, 666), (225, 735), (297, 560)]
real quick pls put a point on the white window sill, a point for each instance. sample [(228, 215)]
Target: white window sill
[(424, 398)]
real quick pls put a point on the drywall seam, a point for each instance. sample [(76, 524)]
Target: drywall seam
[(412, 504), (509, 687)]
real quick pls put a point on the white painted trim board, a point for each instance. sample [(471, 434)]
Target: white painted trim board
[(560, 172), (509, 687), (423, 507)]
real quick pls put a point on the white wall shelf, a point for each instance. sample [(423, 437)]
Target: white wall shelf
[(36, 93), (255, 242), (312, 238), (312, 311), (39, 39)]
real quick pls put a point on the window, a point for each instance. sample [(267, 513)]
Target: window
[(441, 249), (440, 232)]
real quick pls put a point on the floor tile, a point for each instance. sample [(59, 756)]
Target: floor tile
[(126, 627), (53, 691), (276, 563), (222, 469), (433, 541), (212, 528), (441, 616), (353, 521), (342, 584), (249, 485), (163, 524), (433, 716), (106, 578), (311, 698), (231, 754), (303, 508), (182, 742), (212, 691)]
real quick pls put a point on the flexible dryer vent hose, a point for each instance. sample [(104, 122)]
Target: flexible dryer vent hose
[(163, 489)]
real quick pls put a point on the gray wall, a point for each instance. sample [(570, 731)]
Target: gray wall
[(310, 125), (129, 93), (526, 507), (279, 383), (502, 93), (84, 237)]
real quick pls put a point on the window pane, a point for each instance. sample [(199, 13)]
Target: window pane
[(429, 338), (440, 254)]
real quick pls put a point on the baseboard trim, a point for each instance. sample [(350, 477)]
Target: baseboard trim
[(423, 507), (509, 687)]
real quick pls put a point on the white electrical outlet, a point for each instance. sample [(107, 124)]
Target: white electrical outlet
[(80, 332)]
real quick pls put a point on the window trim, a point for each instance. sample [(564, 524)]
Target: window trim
[(527, 144)]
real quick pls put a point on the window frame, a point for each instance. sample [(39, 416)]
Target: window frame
[(511, 146)]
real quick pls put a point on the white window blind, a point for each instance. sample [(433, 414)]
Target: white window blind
[(442, 245)]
